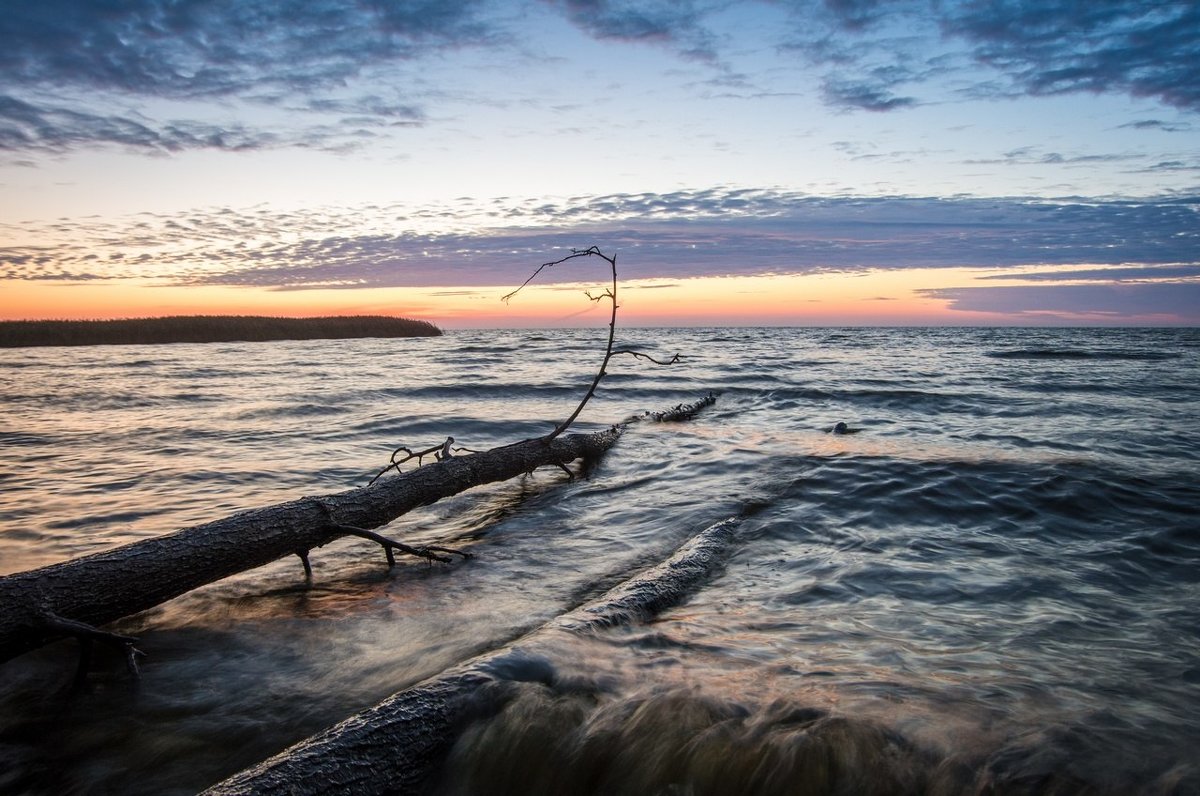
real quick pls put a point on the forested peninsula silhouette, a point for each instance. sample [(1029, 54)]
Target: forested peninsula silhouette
[(207, 329)]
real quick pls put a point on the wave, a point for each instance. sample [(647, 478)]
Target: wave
[(292, 410), (22, 439), (1082, 353), (486, 349), (489, 390), (673, 739), (676, 741), (419, 723), (944, 402)]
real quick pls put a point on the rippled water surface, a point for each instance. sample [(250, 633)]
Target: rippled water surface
[(992, 583)]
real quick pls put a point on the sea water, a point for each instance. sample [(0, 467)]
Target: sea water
[(993, 582)]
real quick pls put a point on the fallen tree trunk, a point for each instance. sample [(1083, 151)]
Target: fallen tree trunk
[(396, 746), (75, 597)]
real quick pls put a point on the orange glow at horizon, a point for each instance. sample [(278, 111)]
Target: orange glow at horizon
[(874, 298), (879, 298), (109, 300)]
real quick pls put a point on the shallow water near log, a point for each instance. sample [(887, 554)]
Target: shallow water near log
[(992, 583)]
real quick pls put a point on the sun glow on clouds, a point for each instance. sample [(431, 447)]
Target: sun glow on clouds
[(943, 296), (912, 297), (721, 255), (872, 298)]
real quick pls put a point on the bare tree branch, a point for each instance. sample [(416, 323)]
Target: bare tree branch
[(588, 252), (438, 452), (640, 355), (444, 450), (428, 553), (609, 293)]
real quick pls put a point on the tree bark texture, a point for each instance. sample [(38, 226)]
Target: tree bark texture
[(398, 745), (106, 586)]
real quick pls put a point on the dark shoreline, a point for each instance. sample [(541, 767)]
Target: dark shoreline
[(207, 329)]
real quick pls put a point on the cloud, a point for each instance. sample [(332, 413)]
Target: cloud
[(65, 65), (671, 236), (1108, 275), (1062, 46), (1163, 303), (77, 74), (56, 129), (1031, 156), (1158, 124), (196, 48), (1171, 166), (875, 95), (1027, 48), (674, 22), (857, 14), (25, 127), (864, 55)]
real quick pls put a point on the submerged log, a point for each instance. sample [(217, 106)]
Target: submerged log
[(397, 746), (74, 598)]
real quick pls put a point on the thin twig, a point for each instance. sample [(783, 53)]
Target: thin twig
[(610, 294), (589, 251), (439, 452), (445, 451), (427, 552), (83, 630), (87, 634), (612, 331), (640, 355)]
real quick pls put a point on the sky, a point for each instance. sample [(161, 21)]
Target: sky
[(765, 162)]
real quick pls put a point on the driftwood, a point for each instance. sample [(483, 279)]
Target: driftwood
[(397, 746), (76, 597)]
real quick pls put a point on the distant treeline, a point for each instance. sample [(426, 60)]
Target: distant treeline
[(207, 329)]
